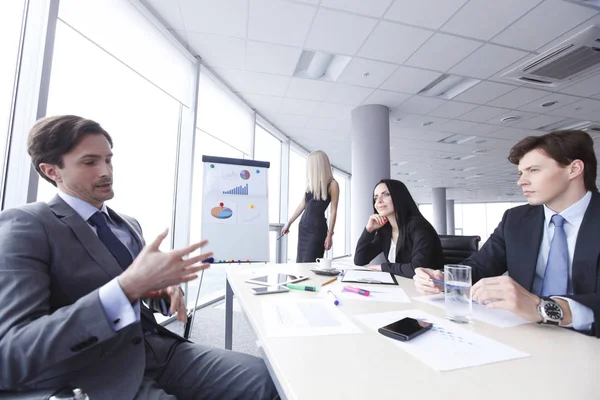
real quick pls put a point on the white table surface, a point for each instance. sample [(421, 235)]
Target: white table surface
[(563, 364)]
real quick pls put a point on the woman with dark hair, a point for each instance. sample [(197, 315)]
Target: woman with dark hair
[(399, 230)]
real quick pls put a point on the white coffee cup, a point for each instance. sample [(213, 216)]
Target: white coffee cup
[(324, 263)]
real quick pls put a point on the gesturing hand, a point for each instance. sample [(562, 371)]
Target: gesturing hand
[(154, 270)]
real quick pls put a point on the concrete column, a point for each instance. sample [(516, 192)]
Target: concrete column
[(370, 162), (439, 210), (450, 217)]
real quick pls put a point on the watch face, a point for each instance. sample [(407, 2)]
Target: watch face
[(552, 310)]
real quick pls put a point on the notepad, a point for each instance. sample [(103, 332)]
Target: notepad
[(377, 277)]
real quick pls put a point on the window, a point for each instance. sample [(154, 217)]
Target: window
[(339, 237), (427, 211), (297, 189), (11, 17), (268, 148), (142, 120)]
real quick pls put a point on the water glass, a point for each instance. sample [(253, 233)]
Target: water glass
[(458, 299)]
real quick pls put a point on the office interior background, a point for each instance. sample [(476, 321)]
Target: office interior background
[(272, 80)]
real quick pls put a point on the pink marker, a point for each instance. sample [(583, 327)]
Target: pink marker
[(357, 290)]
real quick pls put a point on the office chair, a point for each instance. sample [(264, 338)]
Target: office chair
[(458, 248)]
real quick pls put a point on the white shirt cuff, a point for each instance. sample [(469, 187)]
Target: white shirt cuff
[(582, 316), (119, 311)]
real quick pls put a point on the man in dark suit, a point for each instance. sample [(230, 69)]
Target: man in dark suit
[(73, 273), (550, 247)]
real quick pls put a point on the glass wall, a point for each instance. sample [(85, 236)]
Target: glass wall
[(143, 121), (11, 18), (296, 192)]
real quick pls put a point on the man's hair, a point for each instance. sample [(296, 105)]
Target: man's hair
[(564, 147), (53, 137)]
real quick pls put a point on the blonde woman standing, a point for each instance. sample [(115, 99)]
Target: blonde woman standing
[(313, 236)]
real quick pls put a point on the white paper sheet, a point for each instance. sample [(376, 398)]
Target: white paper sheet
[(499, 318), (347, 263), (446, 346), (367, 276), (391, 294), (313, 317)]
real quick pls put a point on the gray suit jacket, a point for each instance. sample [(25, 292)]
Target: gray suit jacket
[(53, 329)]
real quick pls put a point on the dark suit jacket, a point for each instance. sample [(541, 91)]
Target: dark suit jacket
[(515, 244), (53, 328), (423, 249)]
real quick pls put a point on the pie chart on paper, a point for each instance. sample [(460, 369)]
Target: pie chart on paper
[(221, 212), (245, 174)]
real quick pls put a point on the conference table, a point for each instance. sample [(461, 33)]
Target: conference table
[(563, 364)]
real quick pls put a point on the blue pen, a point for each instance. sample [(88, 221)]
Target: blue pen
[(209, 260), (438, 281), (333, 297)]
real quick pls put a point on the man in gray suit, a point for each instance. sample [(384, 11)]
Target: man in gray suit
[(73, 273)]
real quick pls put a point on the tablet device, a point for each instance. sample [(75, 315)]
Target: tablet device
[(269, 289), (275, 279)]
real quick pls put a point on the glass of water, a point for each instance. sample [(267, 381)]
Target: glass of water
[(458, 300)]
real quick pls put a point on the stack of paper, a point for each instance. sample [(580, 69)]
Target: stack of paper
[(392, 294)]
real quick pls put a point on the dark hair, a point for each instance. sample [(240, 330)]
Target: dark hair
[(564, 147), (53, 137), (405, 207)]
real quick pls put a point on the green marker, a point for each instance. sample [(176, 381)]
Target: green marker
[(302, 287)]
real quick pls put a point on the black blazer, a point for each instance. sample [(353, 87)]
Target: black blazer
[(423, 248), (515, 244)]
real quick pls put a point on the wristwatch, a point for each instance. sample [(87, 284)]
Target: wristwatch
[(550, 311)]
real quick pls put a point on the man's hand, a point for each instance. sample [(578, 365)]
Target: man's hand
[(177, 303), (502, 292), (424, 283), (374, 267), (153, 270)]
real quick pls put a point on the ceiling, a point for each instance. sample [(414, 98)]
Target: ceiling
[(403, 45)]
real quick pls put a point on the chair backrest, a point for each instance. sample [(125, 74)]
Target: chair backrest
[(458, 248)]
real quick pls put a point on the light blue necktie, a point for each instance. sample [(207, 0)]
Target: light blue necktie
[(556, 277)]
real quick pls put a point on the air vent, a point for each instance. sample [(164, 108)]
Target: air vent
[(575, 58)]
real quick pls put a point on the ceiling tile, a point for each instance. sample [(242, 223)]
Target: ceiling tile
[(378, 72), (561, 99), (482, 114), (373, 8), (456, 126), (420, 104), (226, 17), (235, 79), (299, 107), (513, 133), (387, 98), (219, 51), (290, 120), (280, 22), (588, 87), (518, 98), (522, 116), (415, 120), (484, 92), (263, 103), (551, 19), (487, 60), (348, 94), (271, 58), (538, 121), (334, 111), (258, 83), (409, 80), (381, 46), (308, 89), (482, 129), (168, 13), (483, 19), (452, 109), (323, 123), (441, 52), (427, 13), (339, 33), (585, 109), (593, 21)]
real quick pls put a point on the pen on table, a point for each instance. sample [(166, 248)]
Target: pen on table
[(329, 281), (332, 296), (357, 290), (301, 287), (437, 281)]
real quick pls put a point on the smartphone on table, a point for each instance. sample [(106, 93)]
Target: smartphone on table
[(269, 289), (405, 329)]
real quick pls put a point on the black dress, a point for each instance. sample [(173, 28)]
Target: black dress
[(312, 230)]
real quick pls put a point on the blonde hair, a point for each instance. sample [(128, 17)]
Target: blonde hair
[(319, 174)]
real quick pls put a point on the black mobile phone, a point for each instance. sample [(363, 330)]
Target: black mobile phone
[(269, 289), (405, 329)]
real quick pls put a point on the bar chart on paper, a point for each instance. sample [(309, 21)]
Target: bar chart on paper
[(240, 190)]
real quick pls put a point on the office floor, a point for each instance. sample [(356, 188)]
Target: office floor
[(209, 328)]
